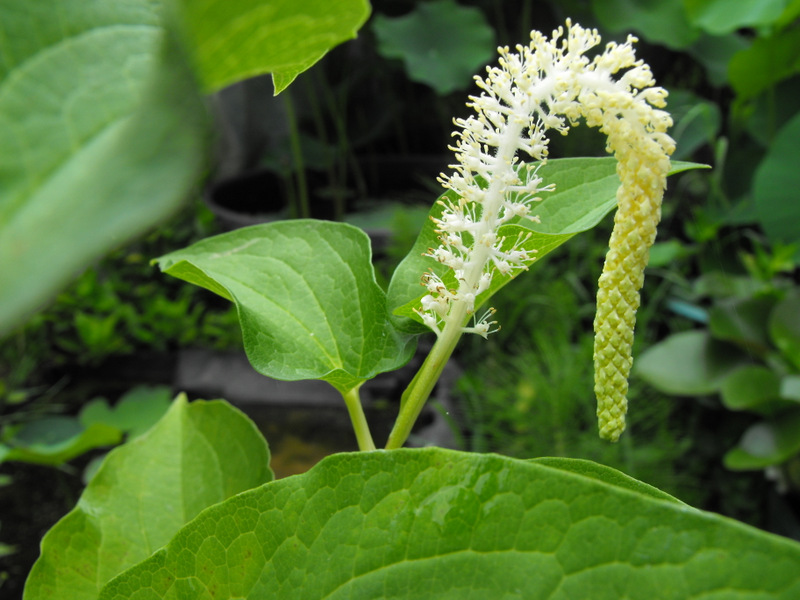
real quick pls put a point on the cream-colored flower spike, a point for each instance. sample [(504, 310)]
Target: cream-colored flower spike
[(551, 84)]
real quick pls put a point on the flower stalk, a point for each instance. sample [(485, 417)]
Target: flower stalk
[(549, 84)]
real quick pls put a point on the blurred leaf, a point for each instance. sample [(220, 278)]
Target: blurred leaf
[(56, 440), (776, 186), (790, 387), (104, 134), (743, 322), (136, 412), (715, 54), (238, 39), (766, 62), (688, 364), (770, 112), (724, 16), (784, 328), (663, 254), (658, 21), (431, 56), (767, 443), (427, 524), (308, 302), (697, 122), (199, 454), (751, 387), (720, 284)]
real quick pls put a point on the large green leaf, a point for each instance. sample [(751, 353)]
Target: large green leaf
[(436, 524), (237, 39), (689, 364), (444, 62), (103, 133), (585, 191), (198, 455), (777, 182), (308, 302)]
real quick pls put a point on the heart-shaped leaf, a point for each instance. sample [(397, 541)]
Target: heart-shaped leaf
[(585, 191), (432, 524), (199, 454), (308, 302)]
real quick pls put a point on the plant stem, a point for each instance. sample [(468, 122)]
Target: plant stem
[(353, 401), (301, 209), (420, 388)]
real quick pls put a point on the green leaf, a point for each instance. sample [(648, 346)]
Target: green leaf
[(743, 322), (103, 136), (775, 185), (697, 122), (658, 21), (56, 440), (790, 388), (767, 443), (751, 387), (136, 412), (585, 191), (308, 302), (238, 39), (784, 328), (435, 524), (198, 455), (715, 53), (444, 62), (724, 16), (593, 470), (688, 364), (766, 62)]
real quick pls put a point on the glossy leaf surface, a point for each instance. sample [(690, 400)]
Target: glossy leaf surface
[(436, 524), (308, 302), (199, 454)]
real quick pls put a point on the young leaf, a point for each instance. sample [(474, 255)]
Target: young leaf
[(103, 134), (237, 39), (432, 524), (308, 302), (585, 191), (199, 454)]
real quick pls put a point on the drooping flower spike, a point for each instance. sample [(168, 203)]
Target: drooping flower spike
[(551, 84)]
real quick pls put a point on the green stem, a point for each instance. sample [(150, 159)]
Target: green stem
[(421, 386), (353, 401), (301, 210)]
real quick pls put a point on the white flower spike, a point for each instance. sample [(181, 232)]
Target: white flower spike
[(551, 85)]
